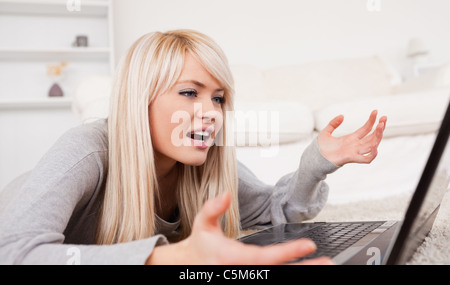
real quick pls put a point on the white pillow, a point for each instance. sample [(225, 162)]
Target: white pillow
[(319, 84), (408, 114), (91, 98), (264, 124), (248, 83), (434, 78)]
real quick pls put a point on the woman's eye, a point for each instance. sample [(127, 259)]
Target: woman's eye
[(188, 93), (219, 100)]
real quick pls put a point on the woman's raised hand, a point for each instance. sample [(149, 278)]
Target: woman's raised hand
[(357, 147)]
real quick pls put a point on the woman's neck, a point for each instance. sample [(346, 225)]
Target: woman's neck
[(167, 174)]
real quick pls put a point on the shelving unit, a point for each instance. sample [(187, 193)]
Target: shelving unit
[(37, 33), (33, 35)]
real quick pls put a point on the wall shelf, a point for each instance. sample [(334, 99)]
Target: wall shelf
[(44, 54), (35, 103)]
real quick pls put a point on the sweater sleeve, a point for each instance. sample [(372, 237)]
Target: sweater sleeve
[(34, 214), (296, 197)]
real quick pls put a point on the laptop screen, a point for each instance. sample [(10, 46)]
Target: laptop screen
[(426, 200)]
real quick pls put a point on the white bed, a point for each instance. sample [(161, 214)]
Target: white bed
[(396, 170)]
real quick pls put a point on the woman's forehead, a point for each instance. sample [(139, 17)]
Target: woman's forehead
[(194, 72)]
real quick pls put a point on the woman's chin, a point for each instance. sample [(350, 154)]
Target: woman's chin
[(196, 162), (195, 158)]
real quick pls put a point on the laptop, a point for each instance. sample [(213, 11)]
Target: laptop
[(376, 242)]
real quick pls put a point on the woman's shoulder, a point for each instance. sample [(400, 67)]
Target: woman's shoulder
[(94, 130), (91, 137), (77, 144)]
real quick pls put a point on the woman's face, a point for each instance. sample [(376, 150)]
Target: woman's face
[(185, 119)]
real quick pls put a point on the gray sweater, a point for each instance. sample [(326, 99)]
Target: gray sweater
[(49, 215)]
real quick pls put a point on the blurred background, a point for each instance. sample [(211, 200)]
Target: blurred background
[(269, 33), (57, 58)]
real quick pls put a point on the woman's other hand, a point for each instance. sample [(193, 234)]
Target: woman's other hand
[(207, 244)]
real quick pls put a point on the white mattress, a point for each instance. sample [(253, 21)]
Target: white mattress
[(396, 169)]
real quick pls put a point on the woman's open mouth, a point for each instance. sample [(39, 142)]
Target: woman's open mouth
[(199, 138)]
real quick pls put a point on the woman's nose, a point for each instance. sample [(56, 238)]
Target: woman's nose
[(205, 112)]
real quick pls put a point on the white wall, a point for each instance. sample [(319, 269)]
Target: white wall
[(269, 33), (26, 135)]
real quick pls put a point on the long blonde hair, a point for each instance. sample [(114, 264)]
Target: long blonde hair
[(152, 66)]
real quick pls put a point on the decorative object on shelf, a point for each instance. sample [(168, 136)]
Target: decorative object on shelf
[(80, 41), (55, 71)]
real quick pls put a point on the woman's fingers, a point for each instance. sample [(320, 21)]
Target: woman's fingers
[(333, 124), (383, 120), (285, 252), (380, 127), (373, 139), (212, 210), (316, 261), (367, 127), (369, 157), (275, 254)]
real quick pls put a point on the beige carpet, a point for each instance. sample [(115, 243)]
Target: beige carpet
[(436, 247)]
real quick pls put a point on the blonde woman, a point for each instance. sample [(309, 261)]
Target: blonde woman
[(149, 185)]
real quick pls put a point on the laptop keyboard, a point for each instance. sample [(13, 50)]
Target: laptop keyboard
[(332, 238)]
